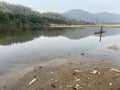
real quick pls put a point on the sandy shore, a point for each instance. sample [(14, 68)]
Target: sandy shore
[(86, 26), (72, 74)]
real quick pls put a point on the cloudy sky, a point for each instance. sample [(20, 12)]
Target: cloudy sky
[(65, 5)]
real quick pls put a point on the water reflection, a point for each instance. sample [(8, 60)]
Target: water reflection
[(22, 47), (8, 37)]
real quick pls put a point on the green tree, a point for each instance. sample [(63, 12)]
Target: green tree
[(4, 16)]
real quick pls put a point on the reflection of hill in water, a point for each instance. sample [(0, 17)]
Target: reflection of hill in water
[(80, 33), (10, 37)]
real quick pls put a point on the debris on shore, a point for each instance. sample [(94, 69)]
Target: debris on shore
[(110, 84), (73, 77), (32, 81), (115, 70), (95, 72), (113, 47)]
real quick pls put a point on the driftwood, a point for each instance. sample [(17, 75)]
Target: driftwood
[(32, 81), (115, 70)]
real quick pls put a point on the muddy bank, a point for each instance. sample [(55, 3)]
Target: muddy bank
[(86, 75), (10, 77)]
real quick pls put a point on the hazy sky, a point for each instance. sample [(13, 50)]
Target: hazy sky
[(65, 5)]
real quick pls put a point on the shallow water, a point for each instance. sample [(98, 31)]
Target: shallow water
[(26, 47)]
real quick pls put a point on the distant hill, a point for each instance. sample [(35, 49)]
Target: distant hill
[(62, 19), (49, 17), (103, 17)]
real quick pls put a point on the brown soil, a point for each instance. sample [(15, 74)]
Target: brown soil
[(71, 76)]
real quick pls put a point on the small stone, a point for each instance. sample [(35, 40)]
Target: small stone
[(34, 70), (77, 85), (60, 88), (89, 85), (118, 88), (88, 78), (53, 85), (76, 71), (51, 79), (5, 87), (77, 79), (110, 84), (35, 76), (75, 88), (82, 54), (40, 67), (98, 73), (51, 73), (94, 72)]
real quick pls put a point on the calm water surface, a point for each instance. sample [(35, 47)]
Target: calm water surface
[(27, 47)]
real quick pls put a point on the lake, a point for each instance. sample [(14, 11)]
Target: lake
[(27, 47)]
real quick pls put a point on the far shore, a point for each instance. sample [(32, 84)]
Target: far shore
[(86, 26)]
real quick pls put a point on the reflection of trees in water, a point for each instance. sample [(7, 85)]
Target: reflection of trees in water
[(8, 37)]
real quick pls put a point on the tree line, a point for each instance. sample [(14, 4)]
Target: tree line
[(33, 19)]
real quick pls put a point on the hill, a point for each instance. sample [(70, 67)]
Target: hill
[(33, 16), (103, 17), (16, 9), (24, 17)]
